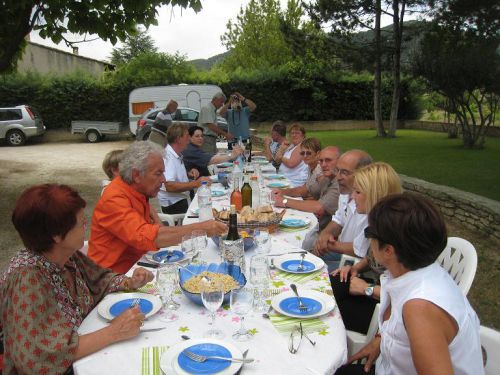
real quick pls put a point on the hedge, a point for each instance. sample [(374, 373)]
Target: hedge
[(278, 96)]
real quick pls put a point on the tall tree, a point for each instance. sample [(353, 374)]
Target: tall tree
[(134, 45), (109, 20), (255, 39)]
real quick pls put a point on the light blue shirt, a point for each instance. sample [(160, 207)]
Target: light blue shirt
[(239, 122)]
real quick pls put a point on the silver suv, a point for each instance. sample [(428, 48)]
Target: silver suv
[(19, 123)]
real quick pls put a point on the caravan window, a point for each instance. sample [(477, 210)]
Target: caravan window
[(139, 108), (188, 115)]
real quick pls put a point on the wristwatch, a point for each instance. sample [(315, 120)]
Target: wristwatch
[(285, 201), (369, 290)]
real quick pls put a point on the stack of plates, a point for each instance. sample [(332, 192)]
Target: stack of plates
[(294, 224)]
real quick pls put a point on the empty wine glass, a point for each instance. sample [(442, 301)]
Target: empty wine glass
[(187, 246), (167, 280), (260, 278), (212, 295), (241, 304), (263, 241)]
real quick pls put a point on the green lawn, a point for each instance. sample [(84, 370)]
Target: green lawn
[(430, 156)]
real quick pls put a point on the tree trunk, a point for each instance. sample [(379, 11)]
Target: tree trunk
[(12, 44), (397, 28), (377, 80)]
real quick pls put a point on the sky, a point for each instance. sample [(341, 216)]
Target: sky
[(197, 35)]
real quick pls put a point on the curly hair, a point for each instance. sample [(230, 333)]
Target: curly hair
[(136, 156)]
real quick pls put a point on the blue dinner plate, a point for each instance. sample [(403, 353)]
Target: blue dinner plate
[(293, 223), (210, 366), (291, 306), (174, 256), (217, 193), (293, 265), (277, 185), (125, 304)]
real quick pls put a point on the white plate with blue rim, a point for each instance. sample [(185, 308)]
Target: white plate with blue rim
[(116, 303), (291, 263), (173, 361), (169, 256), (218, 193), (195, 211), (317, 303)]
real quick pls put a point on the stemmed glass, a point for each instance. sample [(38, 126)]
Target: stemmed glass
[(212, 295), (263, 240), (260, 278), (187, 245), (241, 304), (167, 280)]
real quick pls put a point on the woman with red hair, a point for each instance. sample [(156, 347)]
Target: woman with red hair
[(50, 287)]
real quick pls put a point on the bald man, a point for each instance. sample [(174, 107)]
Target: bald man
[(323, 201), (345, 233)]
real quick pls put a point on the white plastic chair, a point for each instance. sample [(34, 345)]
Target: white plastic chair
[(459, 258), (490, 341), (174, 219)]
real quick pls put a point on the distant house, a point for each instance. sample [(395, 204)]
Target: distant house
[(47, 60)]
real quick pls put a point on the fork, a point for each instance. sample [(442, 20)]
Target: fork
[(301, 264), (135, 302), (302, 307), (202, 358)]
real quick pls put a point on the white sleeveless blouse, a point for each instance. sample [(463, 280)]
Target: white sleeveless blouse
[(435, 285), (297, 175)]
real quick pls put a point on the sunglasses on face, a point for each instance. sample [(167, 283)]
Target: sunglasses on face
[(308, 153)]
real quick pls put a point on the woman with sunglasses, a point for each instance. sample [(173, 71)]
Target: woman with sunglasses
[(292, 165), (357, 296), (426, 324)]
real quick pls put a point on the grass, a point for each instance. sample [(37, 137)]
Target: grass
[(430, 156)]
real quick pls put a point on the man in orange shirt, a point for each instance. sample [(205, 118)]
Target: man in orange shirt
[(122, 229)]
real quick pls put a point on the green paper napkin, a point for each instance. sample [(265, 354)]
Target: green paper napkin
[(151, 360), (286, 324)]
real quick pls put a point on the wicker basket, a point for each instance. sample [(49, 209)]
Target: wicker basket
[(271, 226)]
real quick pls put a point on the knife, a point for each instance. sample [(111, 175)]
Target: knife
[(241, 368), (152, 329), (290, 252)]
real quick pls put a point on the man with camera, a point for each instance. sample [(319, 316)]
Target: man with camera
[(237, 113)]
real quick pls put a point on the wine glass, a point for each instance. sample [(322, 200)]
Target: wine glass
[(263, 240), (260, 278), (167, 280), (241, 304), (212, 295), (187, 245)]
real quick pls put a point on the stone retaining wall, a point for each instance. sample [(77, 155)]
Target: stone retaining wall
[(470, 210)]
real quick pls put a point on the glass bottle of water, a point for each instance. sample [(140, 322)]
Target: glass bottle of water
[(254, 184), (205, 202)]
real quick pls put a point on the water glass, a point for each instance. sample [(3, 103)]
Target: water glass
[(200, 240), (241, 304), (233, 252), (187, 246), (263, 241), (212, 295), (167, 281), (260, 278)]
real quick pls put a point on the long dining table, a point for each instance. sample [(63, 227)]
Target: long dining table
[(269, 345)]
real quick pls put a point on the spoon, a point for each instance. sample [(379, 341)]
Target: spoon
[(301, 265), (271, 265)]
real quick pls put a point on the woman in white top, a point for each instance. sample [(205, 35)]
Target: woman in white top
[(426, 323), (292, 164)]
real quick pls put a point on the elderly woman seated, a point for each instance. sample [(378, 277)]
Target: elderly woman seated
[(426, 324), (288, 154), (50, 287)]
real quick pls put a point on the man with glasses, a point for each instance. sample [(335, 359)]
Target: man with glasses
[(324, 200), (344, 234)]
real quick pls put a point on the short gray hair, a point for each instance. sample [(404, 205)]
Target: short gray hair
[(136, 156), (219, 95)]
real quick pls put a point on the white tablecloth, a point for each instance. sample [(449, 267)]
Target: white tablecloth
[(268, 346)]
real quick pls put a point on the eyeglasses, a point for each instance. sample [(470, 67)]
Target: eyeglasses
[(296, 339), (343, 172), (308, 153)]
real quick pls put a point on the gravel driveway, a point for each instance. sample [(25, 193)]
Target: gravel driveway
[(57, 158)]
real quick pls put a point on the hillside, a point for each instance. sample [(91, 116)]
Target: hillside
[(206, 64)]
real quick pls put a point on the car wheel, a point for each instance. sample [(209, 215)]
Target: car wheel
[(93, 136), (146, 136), (16, 137)]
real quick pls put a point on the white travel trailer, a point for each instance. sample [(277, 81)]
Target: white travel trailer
[(144, 98)]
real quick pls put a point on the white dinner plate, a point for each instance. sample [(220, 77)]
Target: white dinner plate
[(289, 263), (106, 305), (326, 301), (169, 360)]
